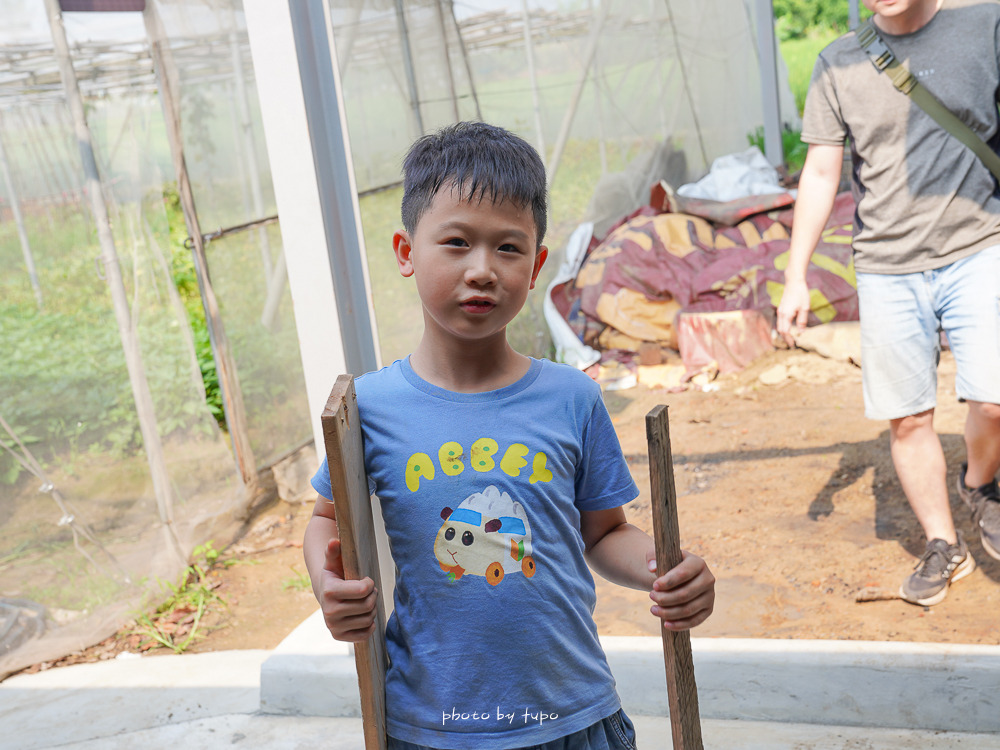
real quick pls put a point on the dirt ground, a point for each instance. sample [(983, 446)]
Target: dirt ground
[(785, 488)]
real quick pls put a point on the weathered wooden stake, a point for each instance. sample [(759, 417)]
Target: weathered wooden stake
[(682, 693), (352, 502)]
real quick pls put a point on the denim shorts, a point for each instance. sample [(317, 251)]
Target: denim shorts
[(614, 732), (902, 317)]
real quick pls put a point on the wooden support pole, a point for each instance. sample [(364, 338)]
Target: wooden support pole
[(597, 26), (465, 59), (449, 75), (225, 363), (682, 693), (355, 524), (109, 262), (22, 232)]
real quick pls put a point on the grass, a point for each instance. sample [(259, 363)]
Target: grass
[(298, 582), (175, 622), (800, 58)]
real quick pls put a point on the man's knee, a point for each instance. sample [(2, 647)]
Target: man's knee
[(904, 427), (986, 412)]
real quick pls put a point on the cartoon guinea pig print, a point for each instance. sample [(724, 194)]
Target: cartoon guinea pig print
[(486, 535)]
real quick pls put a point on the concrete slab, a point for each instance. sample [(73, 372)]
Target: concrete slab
[(943, 687), (207, 701), (119, 696)]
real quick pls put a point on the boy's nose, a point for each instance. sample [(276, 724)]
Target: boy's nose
[(480, 270)]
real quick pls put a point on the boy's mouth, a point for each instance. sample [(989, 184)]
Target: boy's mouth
[(477, 305)]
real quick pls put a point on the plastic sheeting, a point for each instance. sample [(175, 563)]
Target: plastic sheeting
[(87, 536)]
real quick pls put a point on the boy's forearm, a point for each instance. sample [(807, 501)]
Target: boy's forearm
[(620, 557), (319, 532)]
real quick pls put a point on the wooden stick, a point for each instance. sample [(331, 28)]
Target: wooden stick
[(682, 693), (352, 502)]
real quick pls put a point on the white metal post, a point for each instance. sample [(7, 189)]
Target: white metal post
[(768, 62)]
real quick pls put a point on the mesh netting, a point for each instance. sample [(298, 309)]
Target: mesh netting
[(116, 463)]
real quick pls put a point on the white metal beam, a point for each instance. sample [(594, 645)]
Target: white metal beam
[(291, 42)]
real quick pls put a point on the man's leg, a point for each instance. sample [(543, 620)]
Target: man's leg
[(920, 465), (899, 354), (968, 292), (982, 442), (977, 484)]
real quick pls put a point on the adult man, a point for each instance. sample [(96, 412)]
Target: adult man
[(926, 251)]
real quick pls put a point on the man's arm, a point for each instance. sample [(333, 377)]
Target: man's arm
[(348, 606), (624, 554), (817, 192)]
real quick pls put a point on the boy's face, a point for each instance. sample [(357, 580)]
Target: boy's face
[(474, 263)]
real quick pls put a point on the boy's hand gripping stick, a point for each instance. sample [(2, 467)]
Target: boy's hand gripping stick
[(352, 502), (682, 693)]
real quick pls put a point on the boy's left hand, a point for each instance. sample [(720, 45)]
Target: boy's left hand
[(684, 596)]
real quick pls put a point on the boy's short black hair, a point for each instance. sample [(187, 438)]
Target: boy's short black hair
[(482, 161)]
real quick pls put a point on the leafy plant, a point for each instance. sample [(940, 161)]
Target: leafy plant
[(795, 19), (175, 623), (791, 143), (298, 582)]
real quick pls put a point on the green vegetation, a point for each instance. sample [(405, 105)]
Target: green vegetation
[(298, 582), (175, 622), (800, 58), (792, 145), (796, 19)]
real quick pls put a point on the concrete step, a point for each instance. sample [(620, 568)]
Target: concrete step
[(925, 686)]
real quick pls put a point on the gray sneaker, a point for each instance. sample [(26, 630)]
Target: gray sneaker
[(941, 565), (984, 502)]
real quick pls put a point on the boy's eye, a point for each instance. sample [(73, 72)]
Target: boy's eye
[(456, 242), (508, 248)]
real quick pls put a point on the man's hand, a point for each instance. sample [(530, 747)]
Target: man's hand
[(684, 596), (793, 312), (348, 606)]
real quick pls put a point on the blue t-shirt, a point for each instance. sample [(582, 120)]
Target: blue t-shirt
[(492, 643)]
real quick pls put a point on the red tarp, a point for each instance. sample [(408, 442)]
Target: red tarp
[(658, 263)]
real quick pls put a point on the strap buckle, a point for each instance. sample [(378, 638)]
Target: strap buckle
[(872, 43)]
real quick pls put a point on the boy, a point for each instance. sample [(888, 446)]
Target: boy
[(500, 477)]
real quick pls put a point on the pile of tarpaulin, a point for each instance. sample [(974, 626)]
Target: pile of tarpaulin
[(694, 276)]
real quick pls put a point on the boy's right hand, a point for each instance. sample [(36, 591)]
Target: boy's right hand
[(348, 606)]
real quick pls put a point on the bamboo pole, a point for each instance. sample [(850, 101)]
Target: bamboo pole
[(574, 104), (112, 269), (250, 155), (682, 693), (411, 77), (447, 60), (345, 43), (22, 232), (29, 141), (50, 136), (232, 394), (529, 47), (465, 59), (685, 81)]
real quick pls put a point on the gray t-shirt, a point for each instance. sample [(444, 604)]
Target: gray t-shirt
[(924, 200)]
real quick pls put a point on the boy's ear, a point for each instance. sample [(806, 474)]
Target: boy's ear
[(540, 256), (403, 249)]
